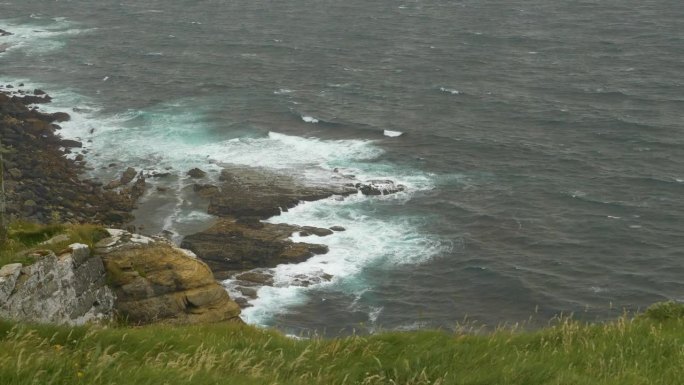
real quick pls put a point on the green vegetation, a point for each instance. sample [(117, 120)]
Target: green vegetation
[(647, 349), (25, 237)]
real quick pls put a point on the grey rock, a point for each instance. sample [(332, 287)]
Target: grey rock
[(65, 289), (8, 278)]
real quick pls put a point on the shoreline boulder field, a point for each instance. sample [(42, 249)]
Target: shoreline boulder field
[(42, 184)]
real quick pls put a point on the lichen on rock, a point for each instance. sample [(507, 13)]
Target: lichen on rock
[(69, 288), (155, 281)]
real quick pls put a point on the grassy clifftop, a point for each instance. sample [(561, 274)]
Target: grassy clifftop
[(648, 349)]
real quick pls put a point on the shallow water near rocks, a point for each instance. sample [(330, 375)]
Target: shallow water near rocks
[(542, 142)]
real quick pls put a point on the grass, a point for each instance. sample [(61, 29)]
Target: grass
[(647, 349), (25, 237)]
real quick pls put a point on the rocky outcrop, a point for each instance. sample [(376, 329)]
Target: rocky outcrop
[(65, 288), (232, 246), (41, 183), (197, 173), (254, 192), (155, 281), (379, 187), (239, 241)]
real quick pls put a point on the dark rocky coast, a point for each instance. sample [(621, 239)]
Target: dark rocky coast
[(42, 184), (45, 183)]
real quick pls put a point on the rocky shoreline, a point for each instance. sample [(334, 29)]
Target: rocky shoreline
[(44, 184)]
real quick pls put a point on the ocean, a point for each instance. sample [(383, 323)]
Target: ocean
[(541, 142)]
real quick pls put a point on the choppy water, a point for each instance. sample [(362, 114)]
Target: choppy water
[(543, 141)]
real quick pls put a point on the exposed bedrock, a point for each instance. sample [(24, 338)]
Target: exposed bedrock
[(239, 241), (155, 281), (231, 246), (254, 192), (65, 288)]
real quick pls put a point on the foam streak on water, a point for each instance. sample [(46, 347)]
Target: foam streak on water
[(368, 241), (39, 38), (174, 138)]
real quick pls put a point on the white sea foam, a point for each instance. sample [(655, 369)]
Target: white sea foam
[(368, 241), (38, 39), (176, 137), (450, 90), (392, 134), (309, 119)]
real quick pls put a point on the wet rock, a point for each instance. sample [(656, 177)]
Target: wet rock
[(157, 174), (4, 33), (242, 302), (260, 277), (337, 228), (318, 231), (38, 92), (253, 192), (112, 185), (59, 116), (127, 176), (138, 189), (197, 173), (205, 190), (247, 291), (229, 246), (379, 187), (68, 143), (30, 99)]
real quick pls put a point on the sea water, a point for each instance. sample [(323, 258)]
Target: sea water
[(541, 142)]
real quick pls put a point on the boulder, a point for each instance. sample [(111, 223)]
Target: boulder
[(379, 187), (58, 116), (318, 231), (197, 173), (128, 176), (155, 281), (68, 143)]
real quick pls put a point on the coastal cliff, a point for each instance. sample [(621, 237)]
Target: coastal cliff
[(68, 287), (126, 276), (152, 279)]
